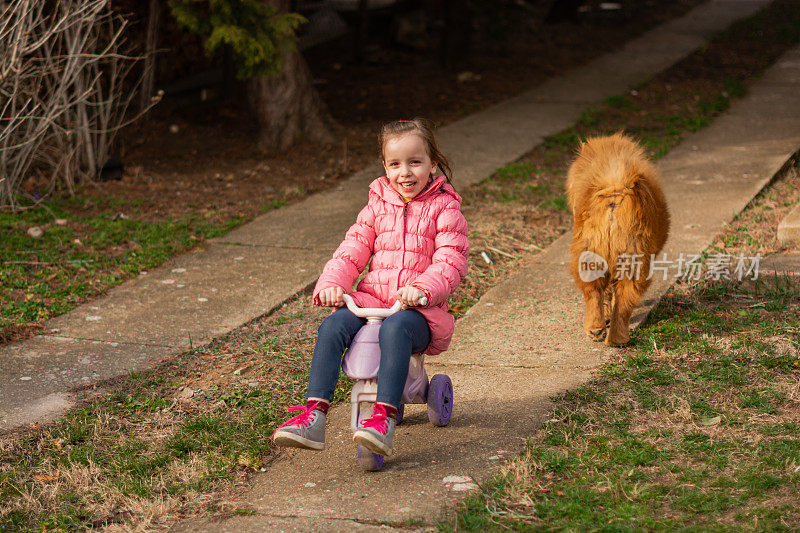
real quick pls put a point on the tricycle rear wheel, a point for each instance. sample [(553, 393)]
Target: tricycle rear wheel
[(440, 400)]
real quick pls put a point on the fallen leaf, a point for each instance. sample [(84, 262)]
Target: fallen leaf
[(710, 421), (36, 232)]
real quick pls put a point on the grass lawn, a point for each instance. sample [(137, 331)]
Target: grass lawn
[(693, 427), (79, 257)]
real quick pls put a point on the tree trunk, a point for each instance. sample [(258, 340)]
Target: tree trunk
[(286, 104)]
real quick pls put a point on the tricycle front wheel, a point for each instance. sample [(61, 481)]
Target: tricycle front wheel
[(370, 462)]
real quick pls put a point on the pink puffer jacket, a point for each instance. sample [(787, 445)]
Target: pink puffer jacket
[(421, 243)]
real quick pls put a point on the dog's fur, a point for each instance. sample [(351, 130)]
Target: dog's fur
[(619, 210)]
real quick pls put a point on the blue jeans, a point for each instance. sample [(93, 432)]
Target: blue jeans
[(401, 334)]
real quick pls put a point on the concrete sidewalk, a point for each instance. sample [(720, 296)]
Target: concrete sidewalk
[(198, 296), (519, 345)]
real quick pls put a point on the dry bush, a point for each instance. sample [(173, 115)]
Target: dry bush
[(62, 98)]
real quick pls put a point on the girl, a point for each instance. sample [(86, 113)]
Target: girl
[(413, 231)]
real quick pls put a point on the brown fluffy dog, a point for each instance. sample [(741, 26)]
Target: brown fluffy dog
[(620, 219)]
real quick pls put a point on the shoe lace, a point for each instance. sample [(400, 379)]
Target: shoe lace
[(303, 419), (378, 419)]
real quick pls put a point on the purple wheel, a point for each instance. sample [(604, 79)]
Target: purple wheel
[(400, 411), (370, 462), (440, 400)]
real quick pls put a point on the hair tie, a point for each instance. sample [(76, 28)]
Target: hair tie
[(403, 121)]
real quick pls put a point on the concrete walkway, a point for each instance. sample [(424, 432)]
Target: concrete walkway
[(199, 296)]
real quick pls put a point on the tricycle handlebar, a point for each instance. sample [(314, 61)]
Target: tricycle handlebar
[(375, 312)]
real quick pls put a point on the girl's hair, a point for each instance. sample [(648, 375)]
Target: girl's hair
[(424, 129)]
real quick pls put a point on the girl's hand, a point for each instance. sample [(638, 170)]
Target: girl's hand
[(331, 297), (409, 296)]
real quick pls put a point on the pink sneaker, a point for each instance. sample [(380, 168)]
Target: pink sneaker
[(377, 432), (306, 430)]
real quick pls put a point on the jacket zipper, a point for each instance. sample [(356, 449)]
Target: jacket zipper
[(403, 260)]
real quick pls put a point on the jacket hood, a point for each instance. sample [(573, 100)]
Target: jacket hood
[(384, 190)]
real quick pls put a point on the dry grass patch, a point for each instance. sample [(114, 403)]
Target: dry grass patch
[(755, 230)]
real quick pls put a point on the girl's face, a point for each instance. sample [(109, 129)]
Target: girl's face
[(407, 163)]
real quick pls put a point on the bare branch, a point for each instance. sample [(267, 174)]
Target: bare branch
[(61, 93)]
